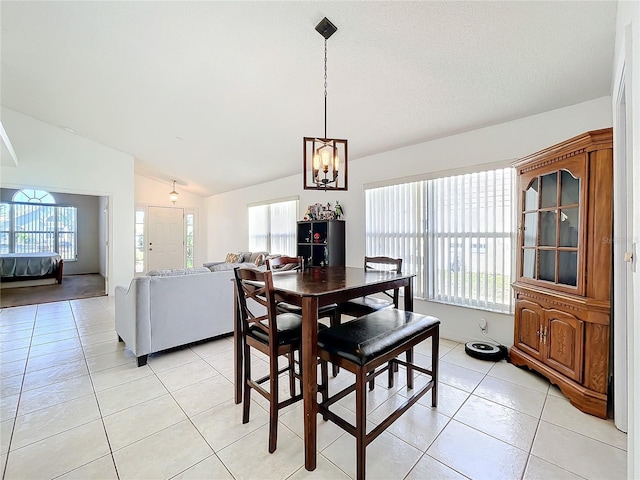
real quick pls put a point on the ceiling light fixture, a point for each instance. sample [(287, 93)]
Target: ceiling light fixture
[(325, 159), (173, 195)]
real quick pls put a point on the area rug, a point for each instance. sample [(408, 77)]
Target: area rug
[(72, 287)]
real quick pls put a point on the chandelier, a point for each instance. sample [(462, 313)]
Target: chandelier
[(173, 195), (325, 159)]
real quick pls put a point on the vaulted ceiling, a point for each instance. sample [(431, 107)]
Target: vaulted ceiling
[(219, 95)]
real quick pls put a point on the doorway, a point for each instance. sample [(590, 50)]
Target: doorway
[(165, 244), (622, 269)]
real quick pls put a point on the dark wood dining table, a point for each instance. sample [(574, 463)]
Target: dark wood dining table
[(312, 288)]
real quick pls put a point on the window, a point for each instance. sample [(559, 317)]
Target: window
[(272, 227), (453, 233), (139, 233), (33, 223), (189, 217)]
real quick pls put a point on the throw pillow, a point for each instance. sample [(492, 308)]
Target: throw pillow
[(234, 258), (259, 260)]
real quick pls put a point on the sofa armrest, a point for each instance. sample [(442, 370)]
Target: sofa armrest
[(133, 319)]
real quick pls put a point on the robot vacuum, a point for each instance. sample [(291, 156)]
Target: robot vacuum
[(486, 351)]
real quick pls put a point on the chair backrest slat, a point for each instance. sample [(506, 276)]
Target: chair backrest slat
[(257, 285), (285, 263), (373, 263)]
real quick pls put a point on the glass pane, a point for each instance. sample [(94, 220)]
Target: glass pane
[(531, 196), (570, 189), (4, 242), (568, 268), (529, 263), (569, 218), (548, 265), (530, 229), (548, 228), (549, 190)]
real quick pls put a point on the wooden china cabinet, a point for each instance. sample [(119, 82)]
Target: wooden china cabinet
[(564, 261)]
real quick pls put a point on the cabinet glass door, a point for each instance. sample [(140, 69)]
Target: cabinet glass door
[(550, 228)]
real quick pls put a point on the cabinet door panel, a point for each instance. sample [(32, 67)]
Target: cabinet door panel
[(529, 319), (564, 343)]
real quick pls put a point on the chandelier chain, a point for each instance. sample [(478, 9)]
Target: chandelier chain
[(325, 88)]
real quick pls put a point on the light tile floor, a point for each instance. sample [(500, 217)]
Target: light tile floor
[(74, 405)]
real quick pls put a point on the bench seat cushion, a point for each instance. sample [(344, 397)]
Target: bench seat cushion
[(372, 335)]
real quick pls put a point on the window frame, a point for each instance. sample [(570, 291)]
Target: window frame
[(56, 233), (414, 236), (289, 236)]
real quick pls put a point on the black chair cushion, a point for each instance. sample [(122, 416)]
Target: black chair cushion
[(364, 305), (289, 330), (372, 335)]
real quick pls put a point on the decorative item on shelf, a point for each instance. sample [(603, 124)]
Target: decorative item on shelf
[(316, 237), (339, 211), (173, 195), (322, 157)]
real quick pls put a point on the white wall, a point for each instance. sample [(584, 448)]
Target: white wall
[(54, 159), (149, 192), (227, 213), (627, 54)]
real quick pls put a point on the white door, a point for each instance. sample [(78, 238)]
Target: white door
[(165, 246)]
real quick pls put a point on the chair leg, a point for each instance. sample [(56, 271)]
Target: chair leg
[(361, 423), (273, 404), (246, 403), (334, 321), (409, 355), (292, 380), (324, 384), (435, 341)]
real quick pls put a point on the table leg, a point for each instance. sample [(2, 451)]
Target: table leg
[(237, 348), (408, 307), (408, 296), (310, 378)]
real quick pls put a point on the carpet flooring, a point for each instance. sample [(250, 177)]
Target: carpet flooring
[(72, 287)]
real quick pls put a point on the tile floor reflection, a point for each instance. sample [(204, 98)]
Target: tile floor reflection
[(74, 405)]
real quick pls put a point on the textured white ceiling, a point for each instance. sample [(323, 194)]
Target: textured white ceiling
[(220, 94)]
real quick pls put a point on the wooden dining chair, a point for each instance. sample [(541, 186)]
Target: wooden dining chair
[(368, 346), (369, 304), (285, 263), (272, 333)]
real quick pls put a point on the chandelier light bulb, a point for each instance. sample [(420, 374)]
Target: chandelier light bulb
[(326, 159)]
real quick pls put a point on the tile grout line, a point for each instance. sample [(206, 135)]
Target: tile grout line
[(95, 396), (15, 417)]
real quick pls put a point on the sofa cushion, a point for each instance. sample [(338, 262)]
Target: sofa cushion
[(169, 272), (259, 260), (173, 272), (221, 267), (234, 257)]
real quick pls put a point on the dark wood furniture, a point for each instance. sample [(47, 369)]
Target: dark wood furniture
[(321, 242), (281, 263), (364, 345), (272, 334), (313, 288), (357, 307), (563, 281)]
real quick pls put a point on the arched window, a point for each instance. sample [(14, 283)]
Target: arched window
[(27, 195), (32, 223)]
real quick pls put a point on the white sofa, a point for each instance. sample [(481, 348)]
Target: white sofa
[(173, 308)]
